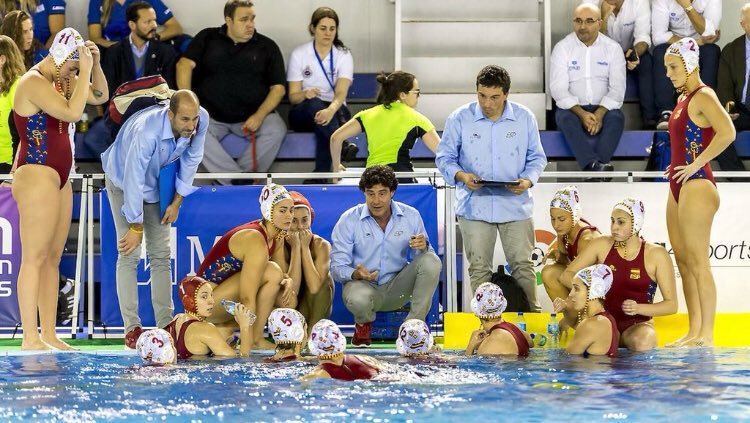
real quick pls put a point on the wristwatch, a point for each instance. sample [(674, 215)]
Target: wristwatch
[(689, 9)]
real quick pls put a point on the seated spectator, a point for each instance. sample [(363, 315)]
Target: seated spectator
[(328, 343), (11, 69), (392, 127), (226, 59), (48, 16), (239, 263), (141, 54), (319, 74), (629, 23), (288, 329), (587, 80), (596, 330), (574, 234), (191, 331), (306, 258), (20, 28), (672, 20), (108, 22), (638, 269), (733, 87), (496, 337), (372, 245)]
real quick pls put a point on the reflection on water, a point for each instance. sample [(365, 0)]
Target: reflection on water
[(679, 385)]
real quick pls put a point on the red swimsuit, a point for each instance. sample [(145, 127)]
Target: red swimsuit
[(630, 282), (521, 342), (612, 352), (351, 369), (44, 140), (179, 339), (572, 249), (219, 263), (687, 141)]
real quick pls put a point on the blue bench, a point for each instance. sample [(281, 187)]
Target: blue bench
[(634, 144)]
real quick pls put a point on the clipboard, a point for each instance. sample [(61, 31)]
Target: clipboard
[(498, 184), (167, 185)]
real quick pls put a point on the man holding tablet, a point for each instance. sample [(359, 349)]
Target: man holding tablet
[(492, 153)]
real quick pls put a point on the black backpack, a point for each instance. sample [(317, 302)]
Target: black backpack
[(514, 294)]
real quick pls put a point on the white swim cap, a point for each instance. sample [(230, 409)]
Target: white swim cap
[(269, 196), (286, 325), (488, 301), (326, 340), (636, 210), (568, 200), (598, 278), (65, 46), (156, 347), (414, 338), (687, 50)]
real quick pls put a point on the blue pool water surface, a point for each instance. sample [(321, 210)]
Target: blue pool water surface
[(661, 386)]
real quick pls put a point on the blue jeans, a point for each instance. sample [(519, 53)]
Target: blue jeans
[(579, 140), (663, 88), (301, 119), (644, 72)]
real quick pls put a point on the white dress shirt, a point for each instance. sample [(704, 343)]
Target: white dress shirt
[(632, 24), (668, 18), (581, 75)]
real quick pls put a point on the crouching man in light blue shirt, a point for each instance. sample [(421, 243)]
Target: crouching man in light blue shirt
[(494, 139), (382, 255), (148, 141)]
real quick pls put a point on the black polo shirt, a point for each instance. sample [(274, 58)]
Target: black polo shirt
[(233, 79)]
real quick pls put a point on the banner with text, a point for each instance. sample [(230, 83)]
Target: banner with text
[(10, 259), (211, 211)]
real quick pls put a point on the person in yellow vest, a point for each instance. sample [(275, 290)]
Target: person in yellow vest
[(392, 127)]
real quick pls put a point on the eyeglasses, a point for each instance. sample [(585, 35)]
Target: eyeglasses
[(589, 21), (417, 92)]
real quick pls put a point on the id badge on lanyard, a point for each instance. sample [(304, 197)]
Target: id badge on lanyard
[(320, 62)]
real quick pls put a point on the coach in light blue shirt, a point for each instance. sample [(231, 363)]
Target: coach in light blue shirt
[(148, 141), (494, 139), (382, 255)]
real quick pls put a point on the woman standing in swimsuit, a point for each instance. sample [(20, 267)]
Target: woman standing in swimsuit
[(699, 130), (49, 96)]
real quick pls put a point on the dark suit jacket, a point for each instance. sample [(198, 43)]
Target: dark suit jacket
[(119, 67), (732, 71)]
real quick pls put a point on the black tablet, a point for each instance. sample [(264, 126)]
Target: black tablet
[(499, 183)]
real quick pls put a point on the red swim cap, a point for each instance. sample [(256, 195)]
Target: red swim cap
[(188, 290), (301, 201)]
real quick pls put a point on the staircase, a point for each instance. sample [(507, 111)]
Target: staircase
[(445, 43)]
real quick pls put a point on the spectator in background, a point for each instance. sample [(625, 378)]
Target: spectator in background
[(238, 74), (108, 22), (392, 127), (141, 54), (733, 87), (629, 23), (587, 81), (48, 16), (18, 26), (494, 139), (319, 74), (11, 68), (675, 19)]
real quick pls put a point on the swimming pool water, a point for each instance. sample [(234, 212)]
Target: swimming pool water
[(664, 385)]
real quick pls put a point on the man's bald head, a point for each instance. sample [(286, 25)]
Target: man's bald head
[(183, 96), (587, 22), (184, 113)]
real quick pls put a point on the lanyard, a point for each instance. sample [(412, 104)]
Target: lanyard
[(320, 62)]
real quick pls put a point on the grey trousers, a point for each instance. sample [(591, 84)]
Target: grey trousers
[(157, 247), (416, 283), (517, 239), (268, 141)]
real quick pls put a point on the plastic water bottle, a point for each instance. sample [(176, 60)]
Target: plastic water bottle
[(553, 331), (521, 321), (539, 339), (229, 306)]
